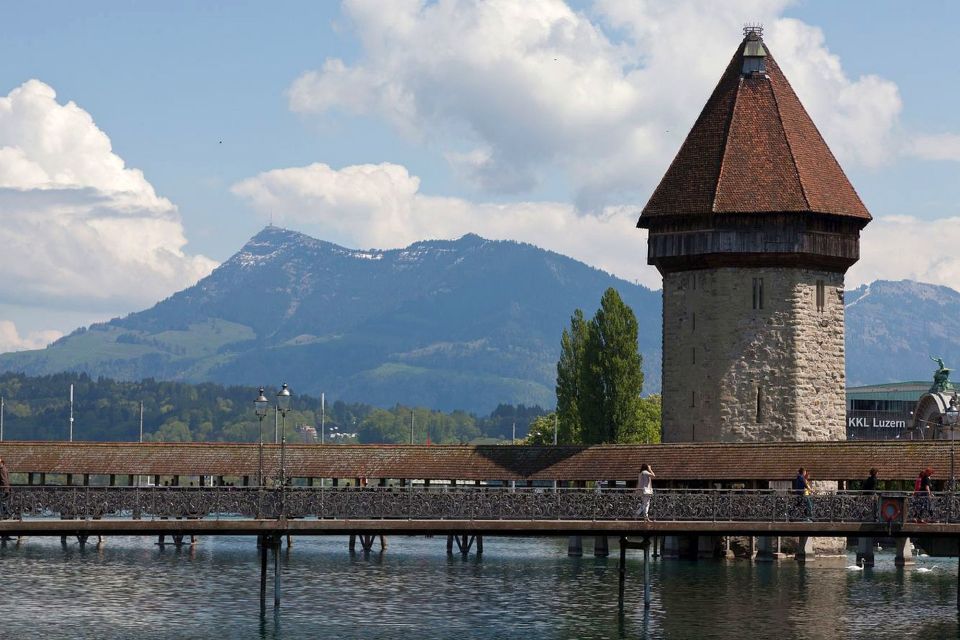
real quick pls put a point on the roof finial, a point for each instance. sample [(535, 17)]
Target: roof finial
[(753, 31)]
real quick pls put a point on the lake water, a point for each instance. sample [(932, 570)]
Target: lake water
[(521, 588)]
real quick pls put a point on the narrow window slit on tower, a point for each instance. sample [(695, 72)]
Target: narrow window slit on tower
[(693, 322), (821, 295), (759, 403), (758, 293), (693, 355)]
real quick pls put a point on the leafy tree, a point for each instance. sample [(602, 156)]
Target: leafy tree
[(569, 379), (541, 430), (648, 423), (500, 422), (618, 366), (606, 367)]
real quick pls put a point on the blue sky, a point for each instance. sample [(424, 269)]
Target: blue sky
[(380, 123)]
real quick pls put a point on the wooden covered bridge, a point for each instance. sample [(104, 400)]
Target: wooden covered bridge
[(694, 464), (465, 492)]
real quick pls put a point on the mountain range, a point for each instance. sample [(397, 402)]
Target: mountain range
[(893, 327), (462, 324)]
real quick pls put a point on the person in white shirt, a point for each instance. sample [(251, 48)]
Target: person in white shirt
[(645, 486)]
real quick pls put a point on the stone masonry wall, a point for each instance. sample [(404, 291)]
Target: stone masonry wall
[(733, 373)]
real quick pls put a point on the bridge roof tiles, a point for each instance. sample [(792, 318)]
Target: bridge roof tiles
[(690, 461)]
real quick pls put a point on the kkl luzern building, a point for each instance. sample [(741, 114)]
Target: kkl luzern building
[(753, 227)]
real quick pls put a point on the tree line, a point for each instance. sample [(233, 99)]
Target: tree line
[(599, 387), (37, 408)]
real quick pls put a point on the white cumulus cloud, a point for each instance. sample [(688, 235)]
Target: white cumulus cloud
[(81, 230), (532, 87), (11, 340), (942, 146), (904, 247), (381, 206)]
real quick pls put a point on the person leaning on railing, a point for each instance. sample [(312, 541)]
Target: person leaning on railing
[(870, 486)]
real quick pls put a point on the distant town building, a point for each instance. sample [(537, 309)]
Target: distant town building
[(308, 433), (883, 411), (753, 227)]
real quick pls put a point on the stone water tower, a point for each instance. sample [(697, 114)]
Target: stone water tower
[(753, 227)]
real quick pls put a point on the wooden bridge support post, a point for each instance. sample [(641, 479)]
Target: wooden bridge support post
[(353, 542), (480, 546), (264, 542), (646, 573), (865, 554), (904, 557), (575, 546), (768, 549), (623, 569), (601, 547), (805, 552), (450, 544), (276, 571)]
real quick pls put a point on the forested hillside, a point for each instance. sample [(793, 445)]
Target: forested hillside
[(38, 408)]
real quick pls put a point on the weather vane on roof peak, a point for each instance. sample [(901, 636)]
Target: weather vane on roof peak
[(753, 31)]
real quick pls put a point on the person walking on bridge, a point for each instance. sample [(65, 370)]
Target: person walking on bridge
[(645, 486)]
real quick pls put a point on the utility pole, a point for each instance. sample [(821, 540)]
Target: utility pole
[(71, 412), (411, 426), (141, 421), (513, 440), (556, 422), (1, 418), (323, 403)]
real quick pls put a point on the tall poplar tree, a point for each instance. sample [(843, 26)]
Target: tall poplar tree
[(600, 375), (600, 378), (569, 376), (618, 367)]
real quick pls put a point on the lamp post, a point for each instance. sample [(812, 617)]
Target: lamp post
[(283, 405), (260, 408), (951, 418)]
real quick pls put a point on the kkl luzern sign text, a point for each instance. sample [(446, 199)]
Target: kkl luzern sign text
[(876, 424)]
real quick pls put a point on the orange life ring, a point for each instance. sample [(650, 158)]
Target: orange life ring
[(890, 510)]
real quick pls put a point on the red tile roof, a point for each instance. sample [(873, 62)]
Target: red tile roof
[(689, 461), (754, 149)]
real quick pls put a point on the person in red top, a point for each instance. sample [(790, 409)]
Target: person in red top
[(922, 493)]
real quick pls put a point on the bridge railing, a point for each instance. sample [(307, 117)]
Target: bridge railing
[(463, 503)]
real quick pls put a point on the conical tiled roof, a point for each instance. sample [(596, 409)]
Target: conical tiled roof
[(754, 149)]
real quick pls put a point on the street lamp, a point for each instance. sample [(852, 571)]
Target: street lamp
[(260, 408), (950, 418), (283, 405)]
